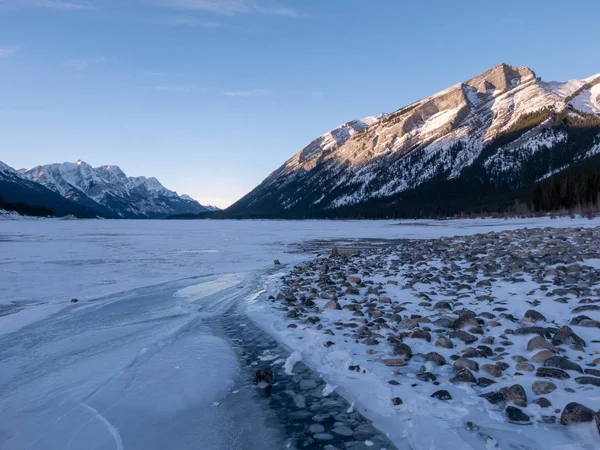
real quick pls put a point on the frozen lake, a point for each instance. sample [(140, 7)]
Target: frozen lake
[(136, 363)]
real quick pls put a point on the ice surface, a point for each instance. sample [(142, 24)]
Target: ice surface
[(134, 364)]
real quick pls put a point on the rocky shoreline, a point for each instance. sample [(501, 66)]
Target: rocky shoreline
[(506, 323)]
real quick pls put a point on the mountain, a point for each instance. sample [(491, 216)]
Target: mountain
[(110, 192), (27, 197), (476, 144)]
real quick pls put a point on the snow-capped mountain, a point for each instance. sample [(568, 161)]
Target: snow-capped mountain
[(28, 196), (504, 129), (108, 190)]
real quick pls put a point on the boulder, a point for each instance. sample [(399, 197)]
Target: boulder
[(515, 415), (543, 387), (576, 413), (516, 394)]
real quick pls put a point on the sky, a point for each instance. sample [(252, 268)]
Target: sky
[(211, 96)]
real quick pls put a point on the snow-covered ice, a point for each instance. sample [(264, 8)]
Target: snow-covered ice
[(134, 363)]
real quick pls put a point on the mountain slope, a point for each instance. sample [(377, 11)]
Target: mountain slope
[(495, 133), (15, 189), (108, 190)]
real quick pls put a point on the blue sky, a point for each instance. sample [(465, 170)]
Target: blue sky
[(210, 96)]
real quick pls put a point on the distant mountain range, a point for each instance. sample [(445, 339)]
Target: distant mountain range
[(86, 191), (477, 145)]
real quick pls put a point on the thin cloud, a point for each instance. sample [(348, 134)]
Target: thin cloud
[(83, 64), (190, 21), (248, 94), (174, 88), (228, 7), (50, 4), (5, 52)]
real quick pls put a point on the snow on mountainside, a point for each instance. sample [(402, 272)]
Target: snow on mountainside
[(497, 124), (110, 191)]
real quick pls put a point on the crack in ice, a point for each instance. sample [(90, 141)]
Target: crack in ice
[(111, 428)]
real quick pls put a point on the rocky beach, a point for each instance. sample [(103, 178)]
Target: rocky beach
[(483, 341)]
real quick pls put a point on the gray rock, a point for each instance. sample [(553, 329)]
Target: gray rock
[(576, 413), (403, 350), (593, 381), (543, 387), (515, 415), (332, 304), (323, 436), (436, 358), (533, 316), (542, 356), (464, 363), (516, 394), (444, 342), (306, 385), (563, 363), (542, 402), (539, 343), (525, 367), (316, 428), (442, 395), (567, 336), (492, 370), (463, 376), (343, 431), (549, 372)]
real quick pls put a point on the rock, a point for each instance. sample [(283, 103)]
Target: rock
[(426, 377), (463, 376), (332, 304), (264, 375), (276, 262), (541, 357), (485, 382), (394, 362), (74, 300), (543, 387), (316, 428), (463, 336), (371, 341), (516, 394), (307, 385), (586, 308), (493, 397), (576, 413), (525, 367), (464, 363), (492, 370), (515, 415), (542, 402), (442, 395), (539, 343), (548, 372), (567, 336), (403, 350), (588, 381), (343, 430), (420, 334), (563, 363), (323, 436), (436, 358), (533, 316), (444, 343), (354, 280), (396, 401)]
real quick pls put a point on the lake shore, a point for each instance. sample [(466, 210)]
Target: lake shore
[(491, 340)]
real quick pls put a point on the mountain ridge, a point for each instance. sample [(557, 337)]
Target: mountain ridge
[(110, 191), (502, 124)]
